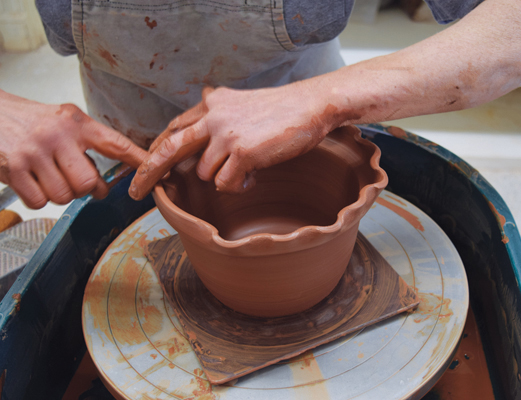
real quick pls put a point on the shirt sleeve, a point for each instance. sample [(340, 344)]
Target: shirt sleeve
[(311, 21), (445, 11), (56, 16)]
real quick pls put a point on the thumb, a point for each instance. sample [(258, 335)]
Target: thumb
[(171, 151)]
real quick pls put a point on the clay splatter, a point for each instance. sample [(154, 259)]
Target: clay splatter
[(186, 91), (150, 23), (298, 17), (105, 54), (303, 361), (305, 368), (409, 217), (83, 28), (397, 132), (72, 111), (470, 378), (194, 81), (4, 169), (153, 61), (501, 221), (216, 62), (465, 169), (430, 305), (178, 347), (204, 387), (17, 297)]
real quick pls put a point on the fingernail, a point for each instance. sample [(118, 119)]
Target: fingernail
[(132, 191)]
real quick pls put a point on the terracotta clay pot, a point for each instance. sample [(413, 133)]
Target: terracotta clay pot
[(283, 246)]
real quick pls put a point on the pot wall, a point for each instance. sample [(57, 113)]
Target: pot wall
[(273, 285), (281, 247)]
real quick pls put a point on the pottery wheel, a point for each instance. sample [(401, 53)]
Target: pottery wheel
[(141, 352)]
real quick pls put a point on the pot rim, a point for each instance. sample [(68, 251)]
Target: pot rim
[(354, 211)]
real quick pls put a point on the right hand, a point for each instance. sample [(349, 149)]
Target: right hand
[(42, 151)]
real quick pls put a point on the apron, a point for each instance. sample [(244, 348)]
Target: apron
[(143, 62)]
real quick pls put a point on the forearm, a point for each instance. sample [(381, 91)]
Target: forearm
[(472, 62)]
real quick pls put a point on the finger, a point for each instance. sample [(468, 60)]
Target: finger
[(28, 190), (112, 144), (183, 121), (52, 181), (234, 176), (212, 160), (79, 171), (172, 150), (186, 119), (101, 190)]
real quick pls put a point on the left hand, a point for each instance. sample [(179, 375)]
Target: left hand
[(240, 132)]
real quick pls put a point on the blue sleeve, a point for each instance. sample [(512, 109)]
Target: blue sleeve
[(311, 21), (57, 21), (445, 11)]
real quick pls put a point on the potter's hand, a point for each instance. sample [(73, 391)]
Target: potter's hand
[(42, 151), (240, 132)]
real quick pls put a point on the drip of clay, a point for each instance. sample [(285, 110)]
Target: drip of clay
[(283, 246)]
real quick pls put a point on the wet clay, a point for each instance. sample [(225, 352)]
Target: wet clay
[(467, 376), (8, 219), (230, 344), (4, 169), (406, 215), (281, 247)]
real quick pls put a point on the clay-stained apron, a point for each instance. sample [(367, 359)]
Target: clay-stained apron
[(140, 350)]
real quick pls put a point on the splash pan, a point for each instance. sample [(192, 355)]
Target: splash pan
[(140, 347)]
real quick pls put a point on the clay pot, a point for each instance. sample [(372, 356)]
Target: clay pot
[(283, 246)]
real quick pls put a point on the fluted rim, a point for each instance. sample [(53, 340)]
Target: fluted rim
[(346, 217)]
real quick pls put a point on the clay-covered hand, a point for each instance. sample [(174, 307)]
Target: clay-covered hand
[(42, 151), (240, 131), (243, 131)]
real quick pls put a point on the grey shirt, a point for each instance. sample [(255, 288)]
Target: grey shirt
[(324, 20)]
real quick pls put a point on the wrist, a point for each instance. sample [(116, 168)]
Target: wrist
[(352, 95), (323, 102)]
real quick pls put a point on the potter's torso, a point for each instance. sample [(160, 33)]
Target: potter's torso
[(146, 61), (143, 63)]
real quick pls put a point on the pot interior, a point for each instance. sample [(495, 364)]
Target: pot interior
[(308, 190)]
